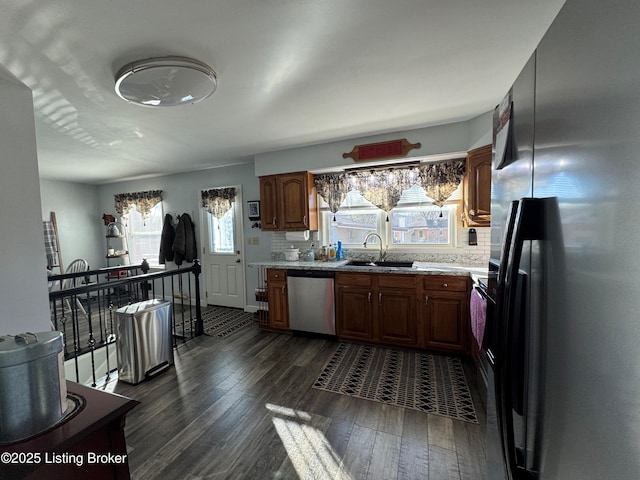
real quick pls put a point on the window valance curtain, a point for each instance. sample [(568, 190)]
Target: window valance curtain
[(218, 201), (384, 188), (333, 188), (144, 202), (440, 179)]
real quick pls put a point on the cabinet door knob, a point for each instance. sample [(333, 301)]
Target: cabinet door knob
[(304, 220), (283, 289), (445, 285), (426, 299), (274, 221), (369, 297)]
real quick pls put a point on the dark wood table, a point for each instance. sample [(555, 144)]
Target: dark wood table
[(89, 444)]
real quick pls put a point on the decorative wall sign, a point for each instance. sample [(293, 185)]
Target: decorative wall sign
[(380, 150)]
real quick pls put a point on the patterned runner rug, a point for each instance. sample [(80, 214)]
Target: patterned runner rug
[(412, 379), (223, 321)]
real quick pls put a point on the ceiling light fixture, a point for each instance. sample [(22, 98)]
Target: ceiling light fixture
[(165, 82)]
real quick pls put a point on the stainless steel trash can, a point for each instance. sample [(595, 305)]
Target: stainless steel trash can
[(143, 341)]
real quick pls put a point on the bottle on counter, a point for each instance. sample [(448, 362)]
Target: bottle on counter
[(324, 253), (332, 252), (339, 252)]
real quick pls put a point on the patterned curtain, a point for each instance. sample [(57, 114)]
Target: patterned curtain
[(144, 202), (384, 188), (440, 179), (218, 201), (333, 188)]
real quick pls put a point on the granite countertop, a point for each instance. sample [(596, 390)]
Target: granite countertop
[(422, 268)]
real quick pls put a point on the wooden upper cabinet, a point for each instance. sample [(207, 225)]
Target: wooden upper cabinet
[(268, 203), (288, 202), (477, 188)]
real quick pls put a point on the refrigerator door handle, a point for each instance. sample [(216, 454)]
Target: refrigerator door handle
[(529, 224), (506, 245)]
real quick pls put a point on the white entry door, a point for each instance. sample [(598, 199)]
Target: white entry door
[(222, 258)]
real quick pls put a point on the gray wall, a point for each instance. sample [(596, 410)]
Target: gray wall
[(24, 302), (452, 138), (180, 194), (79, 218)]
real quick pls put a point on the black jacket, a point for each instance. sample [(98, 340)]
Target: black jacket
[(184, 245), (166, 240)]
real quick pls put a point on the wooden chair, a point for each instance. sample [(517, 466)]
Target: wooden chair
[(77, 266)]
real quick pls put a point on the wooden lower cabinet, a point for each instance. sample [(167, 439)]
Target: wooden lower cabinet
[(445, 313), (397, 310), (354, 306), (278, 298), (377, 308), (355, 320), (424, 311)]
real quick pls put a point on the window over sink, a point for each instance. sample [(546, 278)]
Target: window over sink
[(415, 223)]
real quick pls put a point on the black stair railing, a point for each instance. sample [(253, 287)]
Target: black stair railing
[(85, 312)]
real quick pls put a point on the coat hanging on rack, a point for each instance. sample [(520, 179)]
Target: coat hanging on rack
[(184, 245), (167, 238)]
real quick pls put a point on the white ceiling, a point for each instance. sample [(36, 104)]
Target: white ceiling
[(290, 73)]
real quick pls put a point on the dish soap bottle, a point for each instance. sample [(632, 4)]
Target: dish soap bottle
[(332, 252), (339, 252)]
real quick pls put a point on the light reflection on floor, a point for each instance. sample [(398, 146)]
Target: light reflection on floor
[(309, 451)]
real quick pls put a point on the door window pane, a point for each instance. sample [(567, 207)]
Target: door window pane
[(222, 233)]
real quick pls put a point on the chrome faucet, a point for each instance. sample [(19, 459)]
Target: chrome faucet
[(383, 253)]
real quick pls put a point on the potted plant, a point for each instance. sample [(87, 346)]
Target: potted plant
[(111, 251)]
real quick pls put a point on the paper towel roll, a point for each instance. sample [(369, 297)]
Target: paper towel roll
[(297, 236)]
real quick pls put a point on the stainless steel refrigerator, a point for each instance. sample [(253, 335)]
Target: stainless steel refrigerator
[(564, 336)]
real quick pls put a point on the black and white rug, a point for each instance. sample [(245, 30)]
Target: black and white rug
[(412, 379), (222, 321)]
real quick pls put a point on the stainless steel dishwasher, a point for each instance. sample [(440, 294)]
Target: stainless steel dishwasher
[(311, 301)]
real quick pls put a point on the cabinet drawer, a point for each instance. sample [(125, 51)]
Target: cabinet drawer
[(397, 281), (446, 283), (276, 274), (360, 279)]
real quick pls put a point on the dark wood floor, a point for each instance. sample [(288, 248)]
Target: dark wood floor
[(243, 408)]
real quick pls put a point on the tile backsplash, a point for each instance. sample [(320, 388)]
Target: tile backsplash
[(463, 253)]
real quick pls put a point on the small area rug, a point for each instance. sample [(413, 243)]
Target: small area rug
[(412, 379), (222, 321)]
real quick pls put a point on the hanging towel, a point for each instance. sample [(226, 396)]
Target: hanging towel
[(184, 245), (50, 244), (167, 238), (478, 316)]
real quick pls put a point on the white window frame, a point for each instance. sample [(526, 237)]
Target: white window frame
[(385, 231), (132, 234)]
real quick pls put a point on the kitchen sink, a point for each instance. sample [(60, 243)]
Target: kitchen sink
[(394, 264), (390, 264)]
